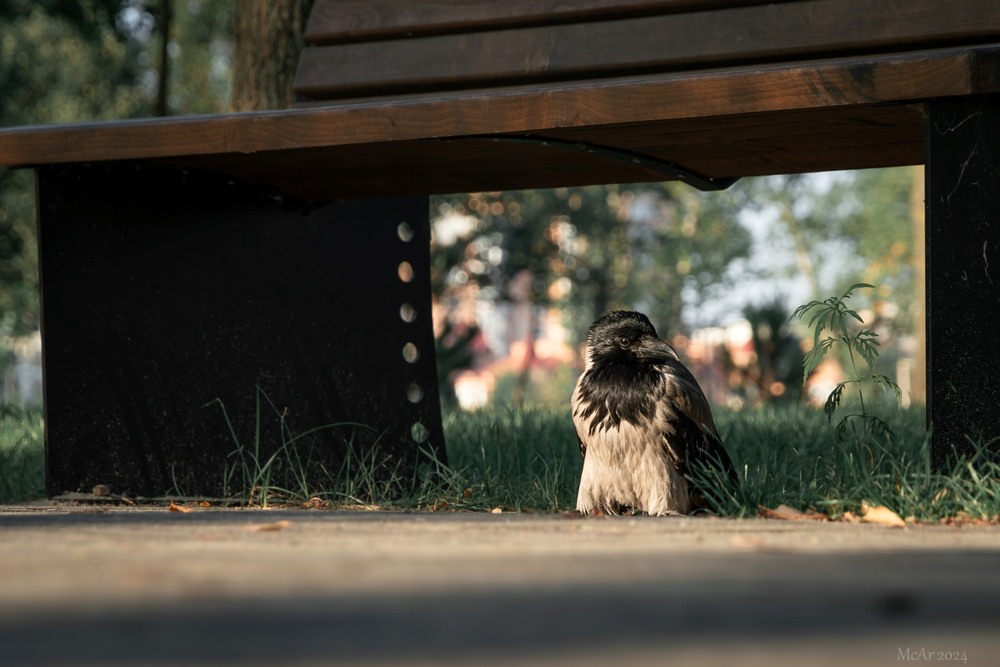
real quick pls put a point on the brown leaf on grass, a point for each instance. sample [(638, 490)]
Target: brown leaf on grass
[(204, 503), (882, 516), (174, 507), (269, 527), (786, 513)]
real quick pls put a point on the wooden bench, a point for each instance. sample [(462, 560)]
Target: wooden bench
[(190, 259)]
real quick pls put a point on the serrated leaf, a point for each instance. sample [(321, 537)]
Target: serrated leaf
[(879, 428), (800, 312), (857, 286), (833, 400), (867, 352), (818, 323), (885, 383), (815, 356)]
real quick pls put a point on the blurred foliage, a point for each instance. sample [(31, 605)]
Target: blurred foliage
[(779, 356), (589, 249), (843, 226), (78, 60)]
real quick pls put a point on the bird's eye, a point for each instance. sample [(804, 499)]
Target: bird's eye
[(624, 341)]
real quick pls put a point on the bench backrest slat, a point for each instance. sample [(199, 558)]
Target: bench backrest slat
[(387, 48), (340, 21)]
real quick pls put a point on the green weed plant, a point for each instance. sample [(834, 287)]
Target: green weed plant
[(861, 346)]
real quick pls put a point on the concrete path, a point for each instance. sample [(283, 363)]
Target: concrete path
[(151, 587)]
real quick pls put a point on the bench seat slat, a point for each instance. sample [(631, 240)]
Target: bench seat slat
[(747, 121)]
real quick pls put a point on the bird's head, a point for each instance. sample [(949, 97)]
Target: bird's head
[(626, 337)]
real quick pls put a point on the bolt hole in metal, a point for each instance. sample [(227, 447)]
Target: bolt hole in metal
[(405, 271), (418, 432), (405, 232), (407, 313)]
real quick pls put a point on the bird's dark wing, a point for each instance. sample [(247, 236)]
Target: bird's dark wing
[(696, 440), (686, 394)]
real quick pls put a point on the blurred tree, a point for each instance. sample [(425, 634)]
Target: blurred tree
[(268, 42), (592, 249), (66, 61), (849, 227), (843, 227), (60, 61), (775, 373), (200, 53)]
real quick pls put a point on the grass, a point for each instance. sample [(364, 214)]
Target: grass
[(515, 459), (794, 457), (528, 460), (22, 454)]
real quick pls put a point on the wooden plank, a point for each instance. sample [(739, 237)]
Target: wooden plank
[(695, 40), (584, 104), (354, 20), (873, 136)]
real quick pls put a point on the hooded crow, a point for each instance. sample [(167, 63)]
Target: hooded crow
[(642, 421)]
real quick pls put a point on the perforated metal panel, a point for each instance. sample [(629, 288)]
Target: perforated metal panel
[(186, 311)]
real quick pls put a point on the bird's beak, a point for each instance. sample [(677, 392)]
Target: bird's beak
[(655, 349)]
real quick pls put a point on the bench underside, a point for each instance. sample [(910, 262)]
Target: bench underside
[(191, 259)]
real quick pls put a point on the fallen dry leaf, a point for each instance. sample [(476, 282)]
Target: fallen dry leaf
[(174, 507), (269, 527), (204, 503), (786, 513), (316, 503), (496, 510), (882, 516)]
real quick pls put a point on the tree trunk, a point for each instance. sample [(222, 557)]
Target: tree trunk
[(268, 43)]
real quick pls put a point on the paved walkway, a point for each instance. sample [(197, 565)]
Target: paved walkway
[(151, 587)]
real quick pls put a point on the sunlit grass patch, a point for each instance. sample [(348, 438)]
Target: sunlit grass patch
[(22, 454)]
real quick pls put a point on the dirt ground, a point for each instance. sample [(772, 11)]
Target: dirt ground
[(83, 586)]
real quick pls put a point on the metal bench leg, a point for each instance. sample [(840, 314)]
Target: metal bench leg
[(963, 272), (174, 300)]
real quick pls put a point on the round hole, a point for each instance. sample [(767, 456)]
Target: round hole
[(405, 272), (405, 232), (418, 432), (414, 394), (407, 313), (410, 353)]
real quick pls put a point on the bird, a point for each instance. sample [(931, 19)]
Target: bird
[(642, 421)]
